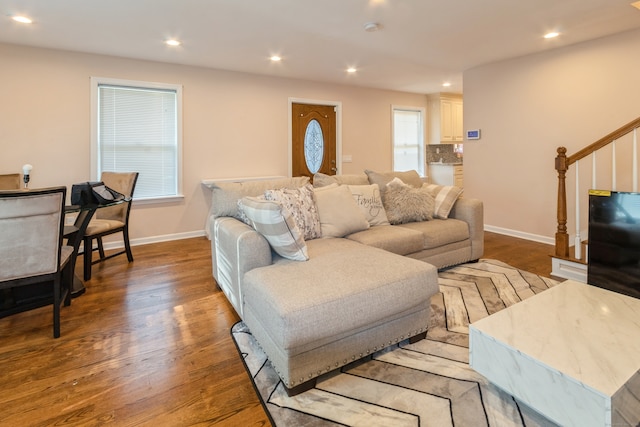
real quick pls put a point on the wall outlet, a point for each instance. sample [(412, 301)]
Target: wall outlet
[(347, 158)]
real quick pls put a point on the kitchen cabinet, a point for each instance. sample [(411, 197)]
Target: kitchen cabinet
[(445, 118), (446, 174)]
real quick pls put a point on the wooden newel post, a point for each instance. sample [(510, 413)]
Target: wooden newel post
[(562, 238)]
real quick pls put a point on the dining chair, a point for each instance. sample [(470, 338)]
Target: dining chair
[(31, 249), (10, 181), (110, 220)]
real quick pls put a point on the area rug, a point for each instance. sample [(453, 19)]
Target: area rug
[(428, 383)]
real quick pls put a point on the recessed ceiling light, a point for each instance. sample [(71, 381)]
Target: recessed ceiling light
[(276, 58), (173, 42), (351, 70), (446, 84), (22, 19), (370, 27), (551, 35), (636, 4)]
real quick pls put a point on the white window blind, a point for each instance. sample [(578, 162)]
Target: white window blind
[(408, 147), (138, 131)]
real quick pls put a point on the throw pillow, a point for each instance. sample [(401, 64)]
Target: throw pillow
[(301, 204), (383, 178), (339, 212), (404, 203), (277, 225), (368, 199), (445, 196)]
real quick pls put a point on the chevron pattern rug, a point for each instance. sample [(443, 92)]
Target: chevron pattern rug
[(428, 383)]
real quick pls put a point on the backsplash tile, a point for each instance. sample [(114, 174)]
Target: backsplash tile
[(447, 152)]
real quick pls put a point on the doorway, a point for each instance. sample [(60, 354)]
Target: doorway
[(314, 137)]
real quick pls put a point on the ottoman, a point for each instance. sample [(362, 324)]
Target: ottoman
[(347, 301)]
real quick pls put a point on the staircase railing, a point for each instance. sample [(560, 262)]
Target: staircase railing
[(562, 163)]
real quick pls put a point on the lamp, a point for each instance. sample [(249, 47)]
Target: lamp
[(26, 170)]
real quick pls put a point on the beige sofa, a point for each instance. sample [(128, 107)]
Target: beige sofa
[(353, 296)]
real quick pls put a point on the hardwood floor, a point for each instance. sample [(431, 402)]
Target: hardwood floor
[(149, 344)]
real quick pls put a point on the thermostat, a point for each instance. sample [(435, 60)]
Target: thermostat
[(473, 134)]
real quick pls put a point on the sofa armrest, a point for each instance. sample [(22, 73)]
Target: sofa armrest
[(235, 249), (471, 211)]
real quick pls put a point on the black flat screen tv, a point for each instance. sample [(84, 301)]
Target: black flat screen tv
[(614, 241)]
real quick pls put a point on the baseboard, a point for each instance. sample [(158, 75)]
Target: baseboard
[(520, 234), (155, 239)]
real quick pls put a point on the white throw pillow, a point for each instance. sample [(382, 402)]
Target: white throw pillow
[(339, 212), (277, 225), (368, 199)]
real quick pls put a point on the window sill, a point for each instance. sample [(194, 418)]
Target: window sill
[(158, 200)]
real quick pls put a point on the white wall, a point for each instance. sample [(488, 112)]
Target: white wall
[(529, 106), (235, 124)]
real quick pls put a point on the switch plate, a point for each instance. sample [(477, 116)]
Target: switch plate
[(347, 158)]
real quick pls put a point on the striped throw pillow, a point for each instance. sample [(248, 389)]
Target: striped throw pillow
[(277, 225), (445, 196)]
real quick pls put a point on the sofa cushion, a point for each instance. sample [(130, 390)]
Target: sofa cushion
[(344, 288), (225, 195), (322, 180), (339, 212), (368, 199), (277, 225), (404, 203), (439, 232), (445, 197), (302, 205), (398, 240)]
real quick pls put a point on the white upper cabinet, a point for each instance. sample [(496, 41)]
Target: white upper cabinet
[(445, 118)]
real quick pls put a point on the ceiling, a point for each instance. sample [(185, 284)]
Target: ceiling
[(420, 44)]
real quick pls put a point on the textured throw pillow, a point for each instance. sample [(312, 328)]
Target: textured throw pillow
[(368, 199), (276, 224), (301, 204), (445, 196), (383, 178), (404, 203), (339, 212)]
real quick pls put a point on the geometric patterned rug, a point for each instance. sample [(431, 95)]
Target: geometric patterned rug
[(428, 383)]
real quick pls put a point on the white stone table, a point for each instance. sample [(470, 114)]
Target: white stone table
[(571, 353)]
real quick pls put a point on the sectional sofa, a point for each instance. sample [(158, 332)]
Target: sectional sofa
[(328, 274)]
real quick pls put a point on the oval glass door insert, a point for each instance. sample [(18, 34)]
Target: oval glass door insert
[(313, 146)]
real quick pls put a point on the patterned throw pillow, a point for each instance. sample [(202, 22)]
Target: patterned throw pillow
[(404, 203), (276, 224), (368, 199), (301, 204), (445, 197)]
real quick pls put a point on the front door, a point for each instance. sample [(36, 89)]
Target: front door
[(313, 144)]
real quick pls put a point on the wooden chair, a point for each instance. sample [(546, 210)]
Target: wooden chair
[(110, 220), (31, 249), (10, 181)]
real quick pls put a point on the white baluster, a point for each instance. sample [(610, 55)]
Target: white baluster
[(635, 161), (578, 242), (593, 170), (614, 182)]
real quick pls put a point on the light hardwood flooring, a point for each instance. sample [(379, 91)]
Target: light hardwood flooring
[(149, 344)]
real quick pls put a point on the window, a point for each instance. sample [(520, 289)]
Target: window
[(136, 127), (408, 139)]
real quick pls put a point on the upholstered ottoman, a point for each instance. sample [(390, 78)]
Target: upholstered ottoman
[(347, 301)]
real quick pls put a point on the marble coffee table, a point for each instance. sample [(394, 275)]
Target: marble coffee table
[(571, 353)]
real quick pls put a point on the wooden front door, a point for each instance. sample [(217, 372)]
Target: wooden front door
[(313, 144)]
